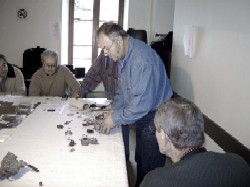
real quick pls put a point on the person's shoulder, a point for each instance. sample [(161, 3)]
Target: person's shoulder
[(60, 66), (220, 159), (63, 68), (138, 44), (17, 69), (155, 172), (156, 177), (98, 64), (220, 155), (63, 71), (38, 73), (139, 50), (231, 157)]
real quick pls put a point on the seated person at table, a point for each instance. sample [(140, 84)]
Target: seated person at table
[(11, 79), (53, 79), (180, 135)]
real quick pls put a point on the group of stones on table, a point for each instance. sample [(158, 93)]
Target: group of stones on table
[(85, 140)]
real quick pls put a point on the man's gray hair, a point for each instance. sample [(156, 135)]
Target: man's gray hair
[(50, 53), (112, 30), (182, 121)]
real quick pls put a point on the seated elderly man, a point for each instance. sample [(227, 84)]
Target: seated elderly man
[(180, 135), (53, 79), (11, 79)]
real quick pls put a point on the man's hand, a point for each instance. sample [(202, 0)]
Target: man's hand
[(109, 107), (74, 94), (107, 124), (76, 103)]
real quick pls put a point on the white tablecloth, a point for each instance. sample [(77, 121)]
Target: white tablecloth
[(38, 141)]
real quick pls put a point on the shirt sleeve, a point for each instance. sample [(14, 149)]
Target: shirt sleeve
[(71, 81), (19, 83), (93, 78), (35, 87)]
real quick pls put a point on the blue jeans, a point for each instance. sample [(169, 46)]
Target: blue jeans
[(147, 154)]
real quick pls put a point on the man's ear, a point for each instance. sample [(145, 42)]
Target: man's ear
[(164, 142), (163, 135), (119, 41)]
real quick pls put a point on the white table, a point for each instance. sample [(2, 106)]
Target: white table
[(38, 141)]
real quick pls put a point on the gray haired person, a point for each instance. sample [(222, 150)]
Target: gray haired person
[(142, 87), (53, 79), (180, 135)]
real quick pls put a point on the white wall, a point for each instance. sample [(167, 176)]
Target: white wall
[(45, 16), (217, 78), (154, 16), (139, 14), (38, 29), (64, 31), (163, 17)]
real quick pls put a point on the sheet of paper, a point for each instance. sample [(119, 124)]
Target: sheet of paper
[(188, 40)]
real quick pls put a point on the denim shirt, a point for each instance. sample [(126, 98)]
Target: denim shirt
[(142, 84)]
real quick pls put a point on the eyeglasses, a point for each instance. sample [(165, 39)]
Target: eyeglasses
[(108, 48), (50, 66)]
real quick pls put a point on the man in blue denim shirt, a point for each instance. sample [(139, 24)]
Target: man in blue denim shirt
[(142, 87)]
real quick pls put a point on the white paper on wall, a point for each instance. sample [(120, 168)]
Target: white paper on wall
[(55, 31), (188, 40)]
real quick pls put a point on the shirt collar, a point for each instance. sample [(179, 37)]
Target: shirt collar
[(193, 151), (128, 52)]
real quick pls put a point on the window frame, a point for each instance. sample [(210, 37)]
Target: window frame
[(96, 13)]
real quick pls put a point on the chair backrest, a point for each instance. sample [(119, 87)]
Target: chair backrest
[(70, 67), (79, 72), (138, 34), (31, 61)]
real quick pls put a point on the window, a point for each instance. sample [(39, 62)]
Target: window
[(85, 18)]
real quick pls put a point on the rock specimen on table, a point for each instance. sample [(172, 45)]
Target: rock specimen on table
[(10, 165)]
